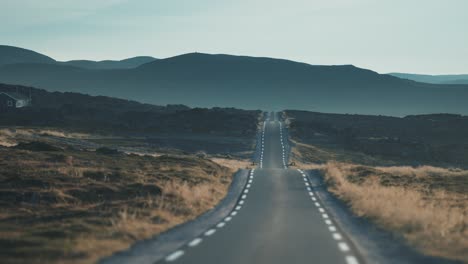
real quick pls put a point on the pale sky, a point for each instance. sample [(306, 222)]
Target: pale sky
[(416, 36)]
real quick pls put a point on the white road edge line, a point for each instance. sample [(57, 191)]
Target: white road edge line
[(351, 260), (210, 232), (195, 242), (337, 236), (343, 246), (172, 257)]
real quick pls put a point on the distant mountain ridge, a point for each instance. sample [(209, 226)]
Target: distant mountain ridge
[(437, 79), (205, 80), (110, 64), (14, 55)]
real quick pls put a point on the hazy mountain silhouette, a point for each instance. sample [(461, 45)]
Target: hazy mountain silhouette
[(12, 55), (438, 79), (15, 55), (110, 64), (205, 80)]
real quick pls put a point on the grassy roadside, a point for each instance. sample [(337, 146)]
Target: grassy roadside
[(65, 205), (427, 205)]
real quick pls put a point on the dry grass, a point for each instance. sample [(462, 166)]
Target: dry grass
[(11, 136), (76, 206), (433, 218), (307, 153), (13, 132), (7, 138), (233, 164)]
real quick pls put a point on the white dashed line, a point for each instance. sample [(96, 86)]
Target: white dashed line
[(195, 242), (210, 232), (220, 224), (174, 256), (343, 246), (227, 219), (337, 236), (351, 260)]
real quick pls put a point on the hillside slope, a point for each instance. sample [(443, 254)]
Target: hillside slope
[(12, 55), (438, 79), (251, 83), (15, 55), (110, 64)]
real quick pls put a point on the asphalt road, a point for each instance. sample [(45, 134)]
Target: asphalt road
[(278, 219)]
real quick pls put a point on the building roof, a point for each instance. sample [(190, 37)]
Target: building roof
[(16, 96)]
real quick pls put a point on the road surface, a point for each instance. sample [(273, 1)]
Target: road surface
[(278, 219)]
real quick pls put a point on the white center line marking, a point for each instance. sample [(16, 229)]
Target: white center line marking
[(238, 207), (241, 202), (195, 242), (332, 228), (220, 225), (210, 232), (324, 215), (244, 196), (328, 222), (227, 219), (174, 256)]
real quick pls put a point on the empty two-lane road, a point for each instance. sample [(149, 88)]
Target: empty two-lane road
[(278, 219)]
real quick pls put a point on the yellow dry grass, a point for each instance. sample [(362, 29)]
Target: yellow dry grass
[(98, 204), (233, 164), (423, 171), (7, 138), (434, 220), (28, 132)]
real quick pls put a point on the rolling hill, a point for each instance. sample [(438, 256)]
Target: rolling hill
[(12, 55), (110, 64), (15, 55), (438, 79), (206, 80)]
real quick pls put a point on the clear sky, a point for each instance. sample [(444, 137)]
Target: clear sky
[(417, 36)]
